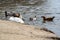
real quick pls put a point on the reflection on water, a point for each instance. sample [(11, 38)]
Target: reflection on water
[(49, 8)]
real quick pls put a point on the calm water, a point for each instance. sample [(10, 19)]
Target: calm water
[(48, 8)]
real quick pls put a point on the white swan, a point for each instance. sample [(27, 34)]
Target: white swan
[(16, 19)]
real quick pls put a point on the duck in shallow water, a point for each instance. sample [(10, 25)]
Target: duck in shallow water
[(11, 14), (47, 19), (33, 19)]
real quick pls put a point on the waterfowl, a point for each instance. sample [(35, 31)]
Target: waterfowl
[(47, 19)]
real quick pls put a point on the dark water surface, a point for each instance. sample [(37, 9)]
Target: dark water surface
[(48, 8)]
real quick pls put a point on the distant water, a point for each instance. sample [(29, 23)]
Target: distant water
[(48, 8)]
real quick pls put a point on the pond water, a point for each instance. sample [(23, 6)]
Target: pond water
[(48, 8)]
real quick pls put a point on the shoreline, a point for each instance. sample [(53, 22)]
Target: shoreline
[(15, 31)]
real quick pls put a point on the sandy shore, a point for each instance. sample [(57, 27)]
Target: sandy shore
[(16, 31)]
